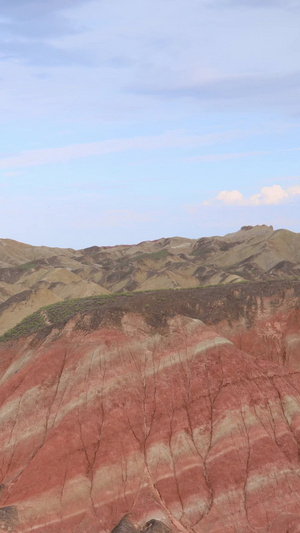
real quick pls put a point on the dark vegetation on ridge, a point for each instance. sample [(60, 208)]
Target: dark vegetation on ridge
[(210, 304)]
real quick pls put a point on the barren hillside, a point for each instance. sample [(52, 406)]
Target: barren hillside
[(32, 277)]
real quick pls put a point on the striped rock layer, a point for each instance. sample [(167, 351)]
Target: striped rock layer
[(173, 424)]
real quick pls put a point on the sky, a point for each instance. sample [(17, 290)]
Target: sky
[(130, 120)]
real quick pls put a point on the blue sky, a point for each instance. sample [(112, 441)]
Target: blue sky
[(129, 120)]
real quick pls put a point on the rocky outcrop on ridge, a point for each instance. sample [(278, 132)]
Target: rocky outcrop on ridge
[(152, 526), (34, 276), (169, 423)]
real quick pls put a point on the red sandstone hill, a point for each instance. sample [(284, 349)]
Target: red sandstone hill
[(132, 412)]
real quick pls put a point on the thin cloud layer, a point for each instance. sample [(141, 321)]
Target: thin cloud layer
[(273, 195), (27, 26), (173, 139), (234, 91), (266, 4), (153, 52)]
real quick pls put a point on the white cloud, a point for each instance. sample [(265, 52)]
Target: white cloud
[(231, 197), (294, 190), (273, 195), (269, 196)]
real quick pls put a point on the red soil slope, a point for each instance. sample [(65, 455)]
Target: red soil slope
[(174, 424), (269, 328)]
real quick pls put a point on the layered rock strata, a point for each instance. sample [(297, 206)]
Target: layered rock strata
[(173, 424)]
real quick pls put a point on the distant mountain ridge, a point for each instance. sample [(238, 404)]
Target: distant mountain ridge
[(34, 276)]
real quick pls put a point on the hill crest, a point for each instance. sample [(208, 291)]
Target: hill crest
[(34, 276)]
